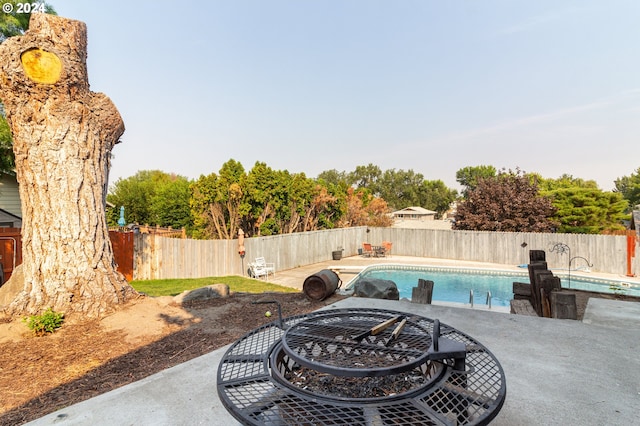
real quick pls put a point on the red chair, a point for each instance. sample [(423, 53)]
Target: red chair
[(367, 250), (387, 248)]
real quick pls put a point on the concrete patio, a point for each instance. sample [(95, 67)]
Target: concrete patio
[(558, 372)]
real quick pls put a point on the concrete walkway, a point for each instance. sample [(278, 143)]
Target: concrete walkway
[(558, 372)]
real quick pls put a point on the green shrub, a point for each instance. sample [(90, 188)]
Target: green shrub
[(48, 322)]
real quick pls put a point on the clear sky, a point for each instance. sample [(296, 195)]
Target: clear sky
[(431, 85)]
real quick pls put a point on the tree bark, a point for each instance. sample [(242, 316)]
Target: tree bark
[(63, 136)]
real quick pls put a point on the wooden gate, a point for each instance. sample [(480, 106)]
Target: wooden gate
[(122, 243), (10, 252)]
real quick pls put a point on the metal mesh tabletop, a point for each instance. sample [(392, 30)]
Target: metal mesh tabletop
[(329, 343), (314, 369)]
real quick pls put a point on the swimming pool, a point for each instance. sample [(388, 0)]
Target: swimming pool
[(454, 284)]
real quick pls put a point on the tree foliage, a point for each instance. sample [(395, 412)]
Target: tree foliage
[(7, 159), (363, 209), (170, 203), (265, 201), (582, 207), (366, 177), (629, 187), (398, 188), (14, 23), (469, 176), (334, 177), (151, 197), (507, 202), (436, 196)]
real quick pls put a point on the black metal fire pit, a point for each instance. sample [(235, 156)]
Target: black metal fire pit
[(360, 367)]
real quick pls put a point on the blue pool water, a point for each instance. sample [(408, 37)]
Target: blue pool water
[(454, 284)]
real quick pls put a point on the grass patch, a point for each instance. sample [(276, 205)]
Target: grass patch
[(173, 287)]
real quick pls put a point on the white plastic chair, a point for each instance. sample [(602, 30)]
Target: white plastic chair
[(261, 268)]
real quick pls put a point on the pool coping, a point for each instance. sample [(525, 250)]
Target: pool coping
[(578, 275)]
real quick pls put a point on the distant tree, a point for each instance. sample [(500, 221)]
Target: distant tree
[(588, 210), (355, 214), (264, 191), (378, 213), (436, 196), (400, 188), (469, 176), (262, 202), (290, 202), (366, 177), (202, 195), (363, 209), (508, 202), (151, 197), (582, 207), (296, 211), (320, 209), (329, 205), (629, 187), (170, 203), (218, 202), (565, 181), (7, 159), (334, 177)]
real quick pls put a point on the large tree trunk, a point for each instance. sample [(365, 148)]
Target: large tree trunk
[(63, 135)]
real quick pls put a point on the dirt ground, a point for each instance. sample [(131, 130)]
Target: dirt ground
[(39, 375)]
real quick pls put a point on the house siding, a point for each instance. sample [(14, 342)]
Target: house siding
[(10, 195)]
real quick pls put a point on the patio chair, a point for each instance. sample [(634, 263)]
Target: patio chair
[(387, 247), (367, 250), (261, 268)]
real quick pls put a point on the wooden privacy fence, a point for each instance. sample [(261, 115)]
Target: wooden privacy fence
[(157, 257)]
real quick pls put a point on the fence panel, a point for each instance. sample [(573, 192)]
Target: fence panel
[(158, 257)]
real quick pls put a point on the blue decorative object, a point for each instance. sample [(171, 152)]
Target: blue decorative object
[(121, 221)]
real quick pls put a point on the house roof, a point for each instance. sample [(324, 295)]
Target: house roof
[(414, 210), (9, 214)]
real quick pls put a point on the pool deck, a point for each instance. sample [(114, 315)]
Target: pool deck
[(558, 372), (349, 267)]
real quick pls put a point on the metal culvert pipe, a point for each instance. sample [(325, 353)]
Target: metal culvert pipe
[(321, 285)]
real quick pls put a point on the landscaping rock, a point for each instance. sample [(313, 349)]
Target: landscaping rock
[(203, 293), (376, 289)]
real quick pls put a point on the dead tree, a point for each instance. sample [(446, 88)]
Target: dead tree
[(63, 136)]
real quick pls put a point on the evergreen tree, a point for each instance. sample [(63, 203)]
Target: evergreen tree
[(629, 187)]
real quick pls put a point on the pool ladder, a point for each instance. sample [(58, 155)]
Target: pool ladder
[(488, 302)]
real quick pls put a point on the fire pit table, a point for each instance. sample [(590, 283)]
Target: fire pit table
[(360, 367)]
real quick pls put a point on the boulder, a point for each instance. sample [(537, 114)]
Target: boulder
[(203, 293), (376, 288)]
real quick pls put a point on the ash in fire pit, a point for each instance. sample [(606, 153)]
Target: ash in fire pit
[(360, 367), (392, 385)]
